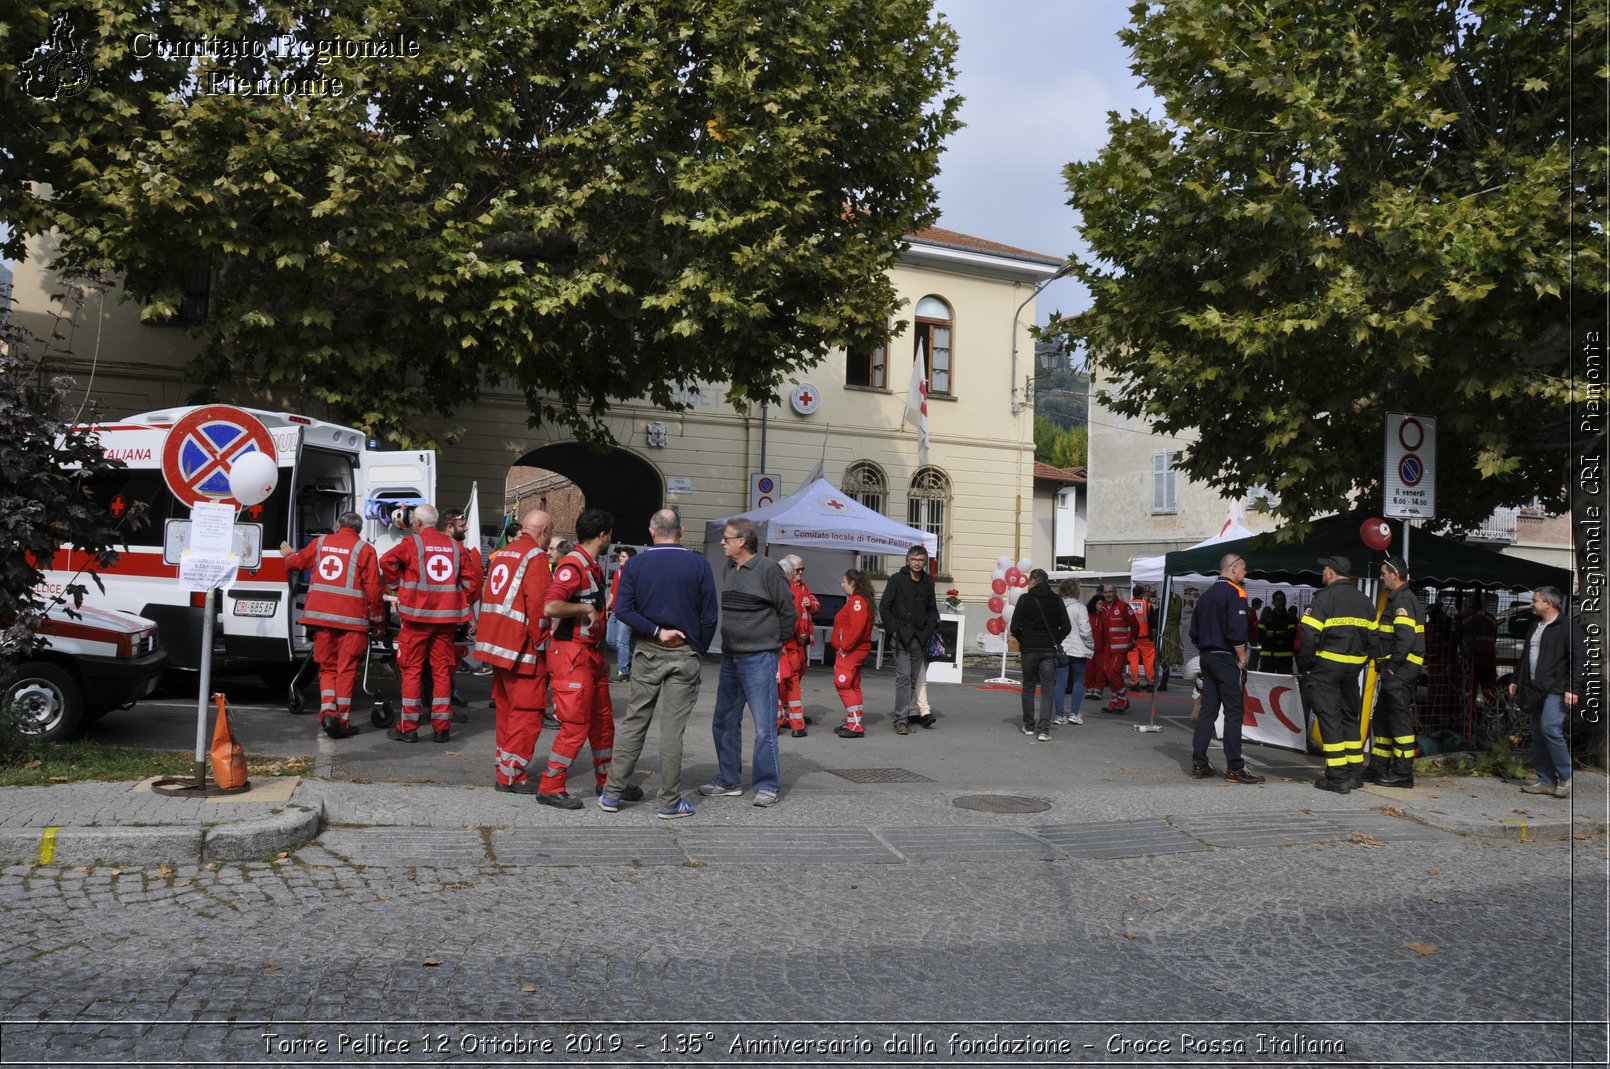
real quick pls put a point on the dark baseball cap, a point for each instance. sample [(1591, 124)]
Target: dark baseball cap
[(1397, 564), (1339, 565)]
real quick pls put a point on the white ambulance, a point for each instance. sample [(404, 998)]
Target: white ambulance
[(324, 470)]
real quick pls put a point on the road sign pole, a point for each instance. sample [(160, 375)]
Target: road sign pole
[(210, 609)]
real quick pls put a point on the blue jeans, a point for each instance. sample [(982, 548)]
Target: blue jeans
[(747, 678), (620, 636), (1550, 753), (1074, 669)]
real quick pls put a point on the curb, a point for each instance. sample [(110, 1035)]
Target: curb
[(244, 840), (247, 840)]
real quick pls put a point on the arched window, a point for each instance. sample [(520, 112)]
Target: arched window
[(865, 483), (928, 509), (934, 338)]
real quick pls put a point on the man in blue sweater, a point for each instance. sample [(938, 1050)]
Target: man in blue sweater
[(1219, 632), (668, 600)]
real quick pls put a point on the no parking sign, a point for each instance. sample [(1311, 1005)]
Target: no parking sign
[(1411, 466), (201, 448)]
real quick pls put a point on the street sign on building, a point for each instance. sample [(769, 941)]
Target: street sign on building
[(1410, 479), (764, 489)]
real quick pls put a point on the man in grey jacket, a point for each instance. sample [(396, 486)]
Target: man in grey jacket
[(757, 617)]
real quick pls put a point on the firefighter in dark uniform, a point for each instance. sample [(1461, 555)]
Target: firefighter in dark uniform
[(1337, 638), (1400, 642), (1278, 629)]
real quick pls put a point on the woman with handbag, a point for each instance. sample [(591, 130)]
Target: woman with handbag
[(1039, 624), (852, 641), (1079, 646)]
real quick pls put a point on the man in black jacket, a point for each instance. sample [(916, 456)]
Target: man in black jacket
[(1548, 681), (1039, 623), (910, 616), (1338, 634)]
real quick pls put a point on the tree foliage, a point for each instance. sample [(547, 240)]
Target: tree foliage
[(586, 200), (1346, 210), (46, 464), (1059, 446)]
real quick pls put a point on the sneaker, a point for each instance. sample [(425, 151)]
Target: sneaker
[(1562, 789), (558, 799), (1059, 721), (1537, 786), (629, 793), (716, 789), (1202, 772), (846, 733), (901, 728), (484, 670), (1076, 719), (1044, 736), (525, 786), (411, 735), (800, 734), (927, 720), (765, 799), (679, 808), (457, 699), (619, 677), (609, 803), (1242, 775), (337, 730), (442, 736)]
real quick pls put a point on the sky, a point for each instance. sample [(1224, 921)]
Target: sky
[(1039, 77)]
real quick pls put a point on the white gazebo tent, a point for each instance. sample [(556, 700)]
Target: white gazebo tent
[(826, 528)]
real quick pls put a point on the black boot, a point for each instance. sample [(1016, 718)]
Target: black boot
[(1376, 769), (1400, 774)]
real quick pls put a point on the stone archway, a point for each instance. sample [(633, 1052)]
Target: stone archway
[(620, 482)]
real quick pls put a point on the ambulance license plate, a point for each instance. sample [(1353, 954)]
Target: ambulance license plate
[(254, 607)]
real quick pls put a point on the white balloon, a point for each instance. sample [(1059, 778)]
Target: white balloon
[(253, 477), (1012, 594), (1006, 614), (1003, 563), (1025, 565), (999, 573)]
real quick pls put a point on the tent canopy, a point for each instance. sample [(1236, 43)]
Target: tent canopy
[(1152, 569), (1435, 560), (821, 516)]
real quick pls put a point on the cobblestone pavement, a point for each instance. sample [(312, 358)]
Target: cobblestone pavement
[(1432, 949)]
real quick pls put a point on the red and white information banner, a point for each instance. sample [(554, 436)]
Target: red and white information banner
[(1274, 712)]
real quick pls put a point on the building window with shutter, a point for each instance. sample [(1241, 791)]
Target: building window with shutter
[(865, 483), (928, 510), (868, 366), (935, 337), (1165, 486)]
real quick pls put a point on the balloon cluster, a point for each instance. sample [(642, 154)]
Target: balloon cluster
[(1006, 586)]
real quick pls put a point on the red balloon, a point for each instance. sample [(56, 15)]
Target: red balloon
[(1375, 533), (996, 604), (995, 626), (999, 586), (1014, 577)]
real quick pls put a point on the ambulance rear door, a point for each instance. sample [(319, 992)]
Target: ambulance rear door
[(405, 476)]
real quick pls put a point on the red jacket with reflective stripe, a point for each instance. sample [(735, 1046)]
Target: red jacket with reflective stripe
[(344, 581), (805, 607), (1117, 625), (434, 578), (580, 579), (852, 626), (512, 631)]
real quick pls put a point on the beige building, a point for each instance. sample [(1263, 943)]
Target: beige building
[(971, 301)]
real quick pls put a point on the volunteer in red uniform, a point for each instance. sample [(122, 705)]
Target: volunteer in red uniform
[(576, 669), (852, 641), (435, 584), (343, 603), (512, 637), (1143, 654), (791, 661), (1117, 629)]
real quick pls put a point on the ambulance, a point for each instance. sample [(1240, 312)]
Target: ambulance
[(324, 470)]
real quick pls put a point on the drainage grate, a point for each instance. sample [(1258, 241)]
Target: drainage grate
[(1000, 803), (878, 775)]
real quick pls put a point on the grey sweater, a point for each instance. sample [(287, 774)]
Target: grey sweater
[(757, 608)]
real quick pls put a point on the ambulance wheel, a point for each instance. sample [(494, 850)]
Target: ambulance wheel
[(382, 715), (46, 702)]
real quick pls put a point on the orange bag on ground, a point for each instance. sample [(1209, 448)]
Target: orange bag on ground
[(228, 759)]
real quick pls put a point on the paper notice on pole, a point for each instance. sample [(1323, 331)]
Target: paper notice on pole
[(201, 571), (212, 529)]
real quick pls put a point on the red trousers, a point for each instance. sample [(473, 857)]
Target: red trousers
[(580, 682), (847, 681), (416, 642), (790, 696), (1112, 670), (338, 654), (520, 700)]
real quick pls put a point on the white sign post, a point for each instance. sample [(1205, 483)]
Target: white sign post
[(1410, 481)]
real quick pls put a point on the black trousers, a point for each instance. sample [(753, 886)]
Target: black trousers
[(1393, 724), (1334, 692), (1221, 689)]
